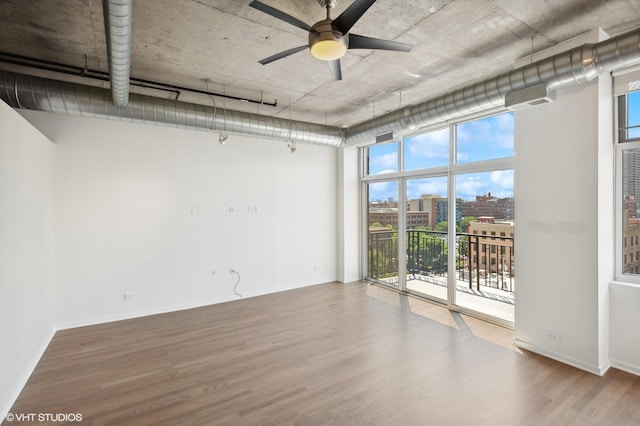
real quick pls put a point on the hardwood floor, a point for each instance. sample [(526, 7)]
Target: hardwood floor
[(329, 354)]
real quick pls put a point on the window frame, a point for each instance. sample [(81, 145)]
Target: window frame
[(450, 172), (622, 144)]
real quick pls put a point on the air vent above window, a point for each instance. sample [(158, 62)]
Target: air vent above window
[(529, 96), (385, 137)]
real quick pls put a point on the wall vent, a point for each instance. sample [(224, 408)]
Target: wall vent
[(384, 137), (529, 96)]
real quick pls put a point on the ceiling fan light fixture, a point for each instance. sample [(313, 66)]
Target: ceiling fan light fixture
[(326, 43), (328, 50)]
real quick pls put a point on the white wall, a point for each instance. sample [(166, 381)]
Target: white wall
[(561, 208), (348, 215), (606, 212), (164, 214), (26, 251), (625, 334)]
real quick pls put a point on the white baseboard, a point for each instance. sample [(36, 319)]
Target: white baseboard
[(143, 313), (593, 369), (633, 369), (174, 308), (279, 289), (26, 374)]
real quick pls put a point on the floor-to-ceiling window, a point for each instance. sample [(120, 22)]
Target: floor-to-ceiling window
[(628, 183), (383, 217), (440, 220)]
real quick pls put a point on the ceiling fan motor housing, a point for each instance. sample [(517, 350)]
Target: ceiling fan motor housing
[(328, 3), (326, 42)]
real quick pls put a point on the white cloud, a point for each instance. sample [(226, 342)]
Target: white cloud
[(504, 178), (416, 188), (432, 145), (384, 163), (498, 183), (469, 187), (478, 139), (463, 157), (383, 190), (502, 183)]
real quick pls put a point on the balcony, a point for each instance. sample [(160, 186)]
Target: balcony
[(484, 267)]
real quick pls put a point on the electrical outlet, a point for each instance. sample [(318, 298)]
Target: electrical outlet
[(129, 296)]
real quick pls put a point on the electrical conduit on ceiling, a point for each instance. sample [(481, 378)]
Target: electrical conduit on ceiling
[(573, 67)]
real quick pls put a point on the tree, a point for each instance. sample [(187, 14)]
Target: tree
[(464, 223), (442, 226)]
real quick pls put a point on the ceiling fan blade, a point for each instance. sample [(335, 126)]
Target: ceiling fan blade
[(362, 42), (350, 16), (284, 54), (280, 15), (335, 69)]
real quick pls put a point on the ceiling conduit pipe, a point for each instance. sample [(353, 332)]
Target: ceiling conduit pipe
[(117, 23), (573, 67), (40, 94)]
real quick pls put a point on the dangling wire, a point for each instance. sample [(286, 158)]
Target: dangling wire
[(292, 144), (213, 118), (235, 286), (224, 107), (531, 56), (289, 108)]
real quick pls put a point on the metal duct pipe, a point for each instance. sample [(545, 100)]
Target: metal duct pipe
[(22, 91), (575, 66), (117, 23)]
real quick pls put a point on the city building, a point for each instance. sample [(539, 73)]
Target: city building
[(488, 205), (631, 245), (389, 217), (491, 246)]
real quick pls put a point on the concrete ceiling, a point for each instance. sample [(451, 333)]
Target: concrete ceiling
[(185, 42)]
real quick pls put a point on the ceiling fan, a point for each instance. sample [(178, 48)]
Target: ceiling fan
[(329, 39)]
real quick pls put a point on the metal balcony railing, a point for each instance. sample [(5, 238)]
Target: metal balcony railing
[(481, 260)]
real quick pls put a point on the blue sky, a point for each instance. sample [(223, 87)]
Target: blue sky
[(634, 113), (484, 139)]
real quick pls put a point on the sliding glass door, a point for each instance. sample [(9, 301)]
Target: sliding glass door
[(427, 251), (440, 215), (383, 250), (485, 275)]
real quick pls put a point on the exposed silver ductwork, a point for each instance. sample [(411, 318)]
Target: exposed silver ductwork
[(575, 66), (22, 91), (117, 23)]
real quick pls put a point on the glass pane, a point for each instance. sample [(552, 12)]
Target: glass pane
[(382, 158), (426, 219), (382, 225), (427, 150), (633, 115), (485, 275), (631, 210), (485, 139)]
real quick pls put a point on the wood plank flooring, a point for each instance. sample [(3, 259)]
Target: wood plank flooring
[(330, 354)]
